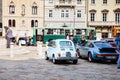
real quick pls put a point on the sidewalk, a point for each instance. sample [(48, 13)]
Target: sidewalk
[(19, 52), (15, 49)]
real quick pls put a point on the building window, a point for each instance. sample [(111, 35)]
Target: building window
[(104, 1), (12, 8), (67, 13), (23, 10), (50, 1), (117, 17), (11, 23), (104, 17), (14, 23), (78, 13), (117, 1), (104, 35), (92, 1), (50, 13), (62, 13), (78, 1), (34, 9), (34, 23), (92, 16), (62, 1)]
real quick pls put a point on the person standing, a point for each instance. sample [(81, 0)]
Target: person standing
[(117, 42), (75, 41), (118, 62), (82, 39), (67, 36), (8, 36)]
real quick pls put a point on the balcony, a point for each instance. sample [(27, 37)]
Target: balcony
[(101, 23), (59, 4)]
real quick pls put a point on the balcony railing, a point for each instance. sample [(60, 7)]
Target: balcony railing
[(101, 23), (65, 4)]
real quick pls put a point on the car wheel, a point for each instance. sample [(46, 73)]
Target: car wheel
[(75, 61), (54, 60), (90, 59), (46, 56)]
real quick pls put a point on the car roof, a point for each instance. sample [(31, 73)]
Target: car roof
[(61, 40), (95, 41), (108, 39)]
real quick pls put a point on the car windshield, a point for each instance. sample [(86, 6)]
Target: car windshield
[(102, 44), (22, 38), (65, 43)]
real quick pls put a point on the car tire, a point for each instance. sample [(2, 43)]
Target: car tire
[(90, 59), (46, 56), (75, 61), (54, 60)]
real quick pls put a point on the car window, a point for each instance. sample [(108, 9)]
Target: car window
[(91, 45), (53, 44), (102, 44), (65, 43), (87, 44), (83, 44)]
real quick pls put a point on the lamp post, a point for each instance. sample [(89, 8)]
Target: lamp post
[(74, 21)]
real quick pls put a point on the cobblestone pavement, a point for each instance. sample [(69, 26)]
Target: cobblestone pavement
[(31, 66), (40, 69)]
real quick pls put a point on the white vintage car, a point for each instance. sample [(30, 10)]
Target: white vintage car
[(61, 49)]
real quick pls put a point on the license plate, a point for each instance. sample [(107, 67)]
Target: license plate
[(110, 57), (68, 54)]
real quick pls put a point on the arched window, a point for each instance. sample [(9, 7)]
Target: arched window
[(12, 8), (14, 23), (9, 22), (32, 23), (36, 23), (34, 9)]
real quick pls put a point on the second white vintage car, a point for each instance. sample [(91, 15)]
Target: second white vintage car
[(61, 49)]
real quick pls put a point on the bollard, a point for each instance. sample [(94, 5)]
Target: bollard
[(40, 49), (19, 43), (11, 50), (46, 45)]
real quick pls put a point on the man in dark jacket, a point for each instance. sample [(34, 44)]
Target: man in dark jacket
[(75, 41)]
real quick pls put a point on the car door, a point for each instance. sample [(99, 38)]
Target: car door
[(52, 49), (82, 48), (85, 49), (49, 49)]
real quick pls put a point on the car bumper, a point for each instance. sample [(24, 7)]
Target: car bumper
[(107, 56), (67, 58)]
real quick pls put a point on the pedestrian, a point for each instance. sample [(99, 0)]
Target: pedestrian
[(8, 36), (118, 62), (117, 42), (67, 36), (82, 39), (75, 41)]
